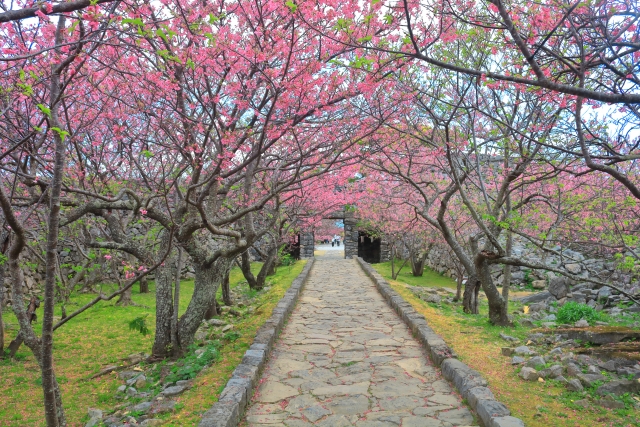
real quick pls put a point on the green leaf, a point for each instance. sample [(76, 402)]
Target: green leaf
[(73, 26), (26, 88), (167, 55), (133, 21), (291, 5), (342, 24), (162, 35), (46, 110), (62, 133), (211, 38)]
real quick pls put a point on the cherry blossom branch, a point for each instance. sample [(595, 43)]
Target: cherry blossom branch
[(31, 12)]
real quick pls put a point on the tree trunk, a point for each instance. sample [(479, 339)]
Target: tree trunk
[(393, 264), (164, 305), (459, 279), (472, 288), (417, 264), (31, 315), (125, 299), (497, 308), (226, 291), (207, 281), (245, 266), (399, 269), (14, 346), (506, 275), (213, 310), (470, 296), (268, 268), (176, 302), (54, 413), (144, 285)]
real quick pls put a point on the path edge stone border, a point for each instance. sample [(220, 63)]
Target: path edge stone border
[(236, 395), (469, 383)]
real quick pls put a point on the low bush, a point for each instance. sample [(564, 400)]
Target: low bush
[(191, 364), (573, 311)]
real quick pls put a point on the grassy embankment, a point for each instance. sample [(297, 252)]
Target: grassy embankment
[(101, 336), (477, 343)]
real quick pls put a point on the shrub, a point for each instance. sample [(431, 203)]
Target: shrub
[(189, 366), (573, 311), (231, 336)]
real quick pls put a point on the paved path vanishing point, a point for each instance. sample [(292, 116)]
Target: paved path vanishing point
[(345, 358)]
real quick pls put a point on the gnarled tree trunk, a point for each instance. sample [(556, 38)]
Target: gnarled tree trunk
[(459, 280), (164, 312), (497, 307), (417, 264), (245, 266), (144, 285), (164, 304), (269, 266), (418, 260), (176, 301), (506, 278), (208, 279), (470, 296), (267, 269), (226, 291), (125, 299)]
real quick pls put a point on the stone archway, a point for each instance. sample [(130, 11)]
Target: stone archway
[(377, 251)]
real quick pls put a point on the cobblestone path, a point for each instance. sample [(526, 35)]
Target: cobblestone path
[(346, 359)]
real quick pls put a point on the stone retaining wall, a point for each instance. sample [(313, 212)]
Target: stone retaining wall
[(469, 383), (442, 260), (34, 271), (228, 410)]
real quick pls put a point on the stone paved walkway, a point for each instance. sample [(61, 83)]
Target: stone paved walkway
[(346, 359)]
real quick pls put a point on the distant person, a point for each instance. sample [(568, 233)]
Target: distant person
[(333, 242)]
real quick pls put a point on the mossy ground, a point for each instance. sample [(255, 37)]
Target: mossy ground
[(101, 336), (477, 343)]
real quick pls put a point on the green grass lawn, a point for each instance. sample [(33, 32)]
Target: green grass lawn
[(100, 336), (478, 344), (429, 277)]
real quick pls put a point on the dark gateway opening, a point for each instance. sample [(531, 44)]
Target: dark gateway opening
[(368, 249)]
